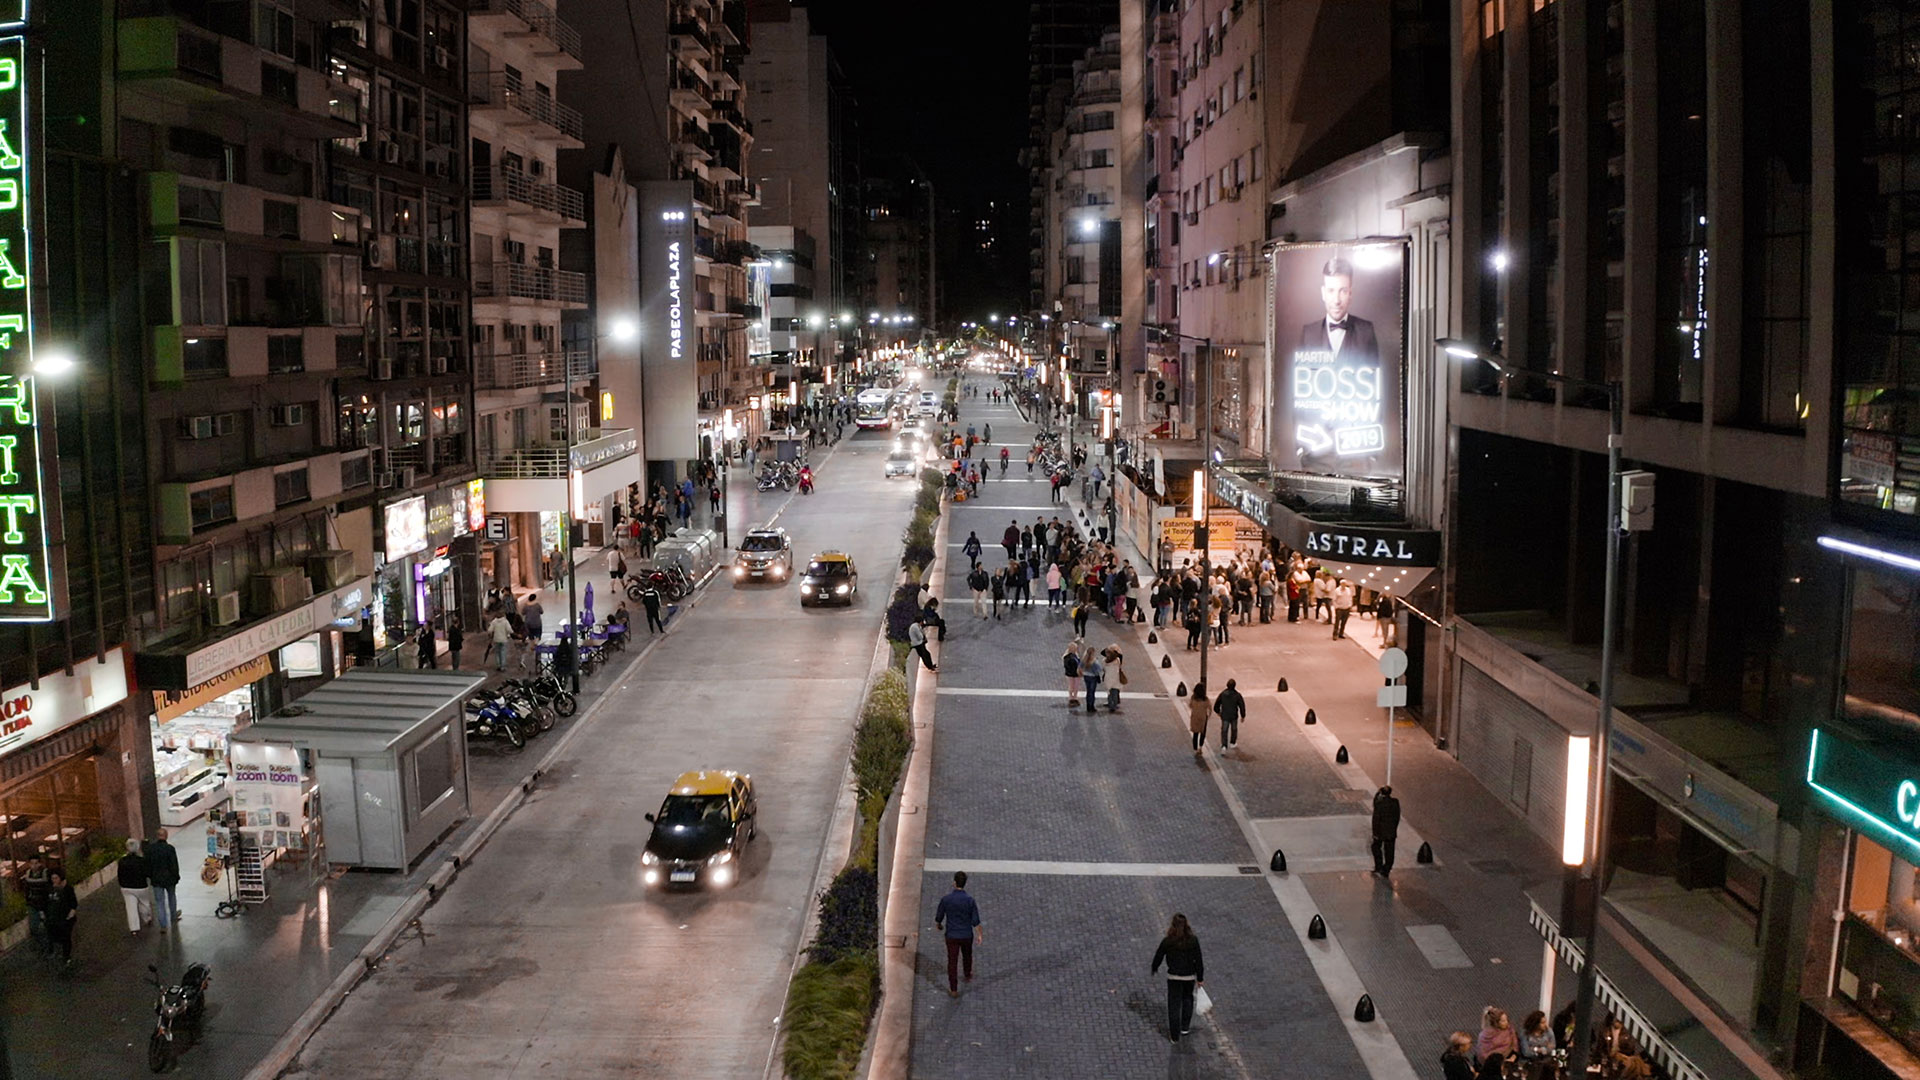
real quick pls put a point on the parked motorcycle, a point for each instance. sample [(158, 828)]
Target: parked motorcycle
[(547, 688), (534, 715), (493, 720), (177, 1011), (668, 585)]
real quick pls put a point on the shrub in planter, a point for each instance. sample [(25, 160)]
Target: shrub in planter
[(903, 610), (828, 1006), (885, 734), (849, 915)]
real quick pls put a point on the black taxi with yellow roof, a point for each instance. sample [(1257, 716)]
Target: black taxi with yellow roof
[(831, 578), (701, 830)]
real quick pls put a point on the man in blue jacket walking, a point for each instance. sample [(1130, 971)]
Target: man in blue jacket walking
[(960, 917)]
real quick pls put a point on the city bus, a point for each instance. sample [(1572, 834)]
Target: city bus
[(873, 408)]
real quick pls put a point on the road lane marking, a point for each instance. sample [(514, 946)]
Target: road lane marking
[(981, 691), (1087, 869)]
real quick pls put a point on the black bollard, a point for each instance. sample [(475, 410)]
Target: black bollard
[(1425, 855), (1363, 1009), (1180, 691), (1340, 758), (1166, 661), (1279, 863), (1317, 929), (1283, 685), (1153, 638), (1312, 719)]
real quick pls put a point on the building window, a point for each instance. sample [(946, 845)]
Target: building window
[(204, 357), (356, 471), (1100, 121), (290, 487), (1879, 961), (286, 354), (200, 282), (212, 506), (280, 219), (1099, 159)]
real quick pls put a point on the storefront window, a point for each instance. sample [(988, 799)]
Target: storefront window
[(1879, 968), (1883, 650), (54, 815), (190, 745)]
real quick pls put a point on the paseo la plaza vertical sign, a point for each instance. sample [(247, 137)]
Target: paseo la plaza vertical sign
[(26, 594)]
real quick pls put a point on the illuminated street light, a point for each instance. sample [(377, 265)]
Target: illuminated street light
[(52, 361), (1090, 226), (816, 320), (624, 331)]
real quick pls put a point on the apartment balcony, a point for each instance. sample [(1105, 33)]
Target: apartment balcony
[(730, 114), (518, 106), (1097, 96), (695, 141), (187, 509), (191, 353), (734, 252), (528, 479), (518, 193), (524, 370), (1166, 29), (520, 281), (550, 37), (689, 38), (746, 191), (178, 204), (689, 93), (181, 64)]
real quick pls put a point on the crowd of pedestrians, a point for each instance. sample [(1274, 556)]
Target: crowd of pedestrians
[(1539, 1049)]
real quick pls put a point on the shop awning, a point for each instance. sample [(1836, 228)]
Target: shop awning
[(365, 712), (1704, 1056)]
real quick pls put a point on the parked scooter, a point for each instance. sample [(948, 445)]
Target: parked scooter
[(177, 1013)]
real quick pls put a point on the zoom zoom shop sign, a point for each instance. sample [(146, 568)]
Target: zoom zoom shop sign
[(26, 589)]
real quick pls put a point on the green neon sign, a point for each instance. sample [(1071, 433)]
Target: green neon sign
[(25, 593), (1877, 793)]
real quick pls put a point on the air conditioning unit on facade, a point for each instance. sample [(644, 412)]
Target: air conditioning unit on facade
[(404, 476), (196, 427), (278, 589), (224, 609), (383, 480), (329, 569)]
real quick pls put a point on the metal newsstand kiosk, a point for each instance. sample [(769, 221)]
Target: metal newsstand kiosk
[(389, 752)]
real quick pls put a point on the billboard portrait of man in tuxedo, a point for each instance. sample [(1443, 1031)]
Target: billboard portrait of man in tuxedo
[(1349, 338)]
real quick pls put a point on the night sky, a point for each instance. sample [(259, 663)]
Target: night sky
[(947, 83)]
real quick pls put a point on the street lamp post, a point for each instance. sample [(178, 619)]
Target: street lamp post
[(1203, 498), (1594, 865)]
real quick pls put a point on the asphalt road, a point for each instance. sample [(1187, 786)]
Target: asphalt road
[(548, 957)]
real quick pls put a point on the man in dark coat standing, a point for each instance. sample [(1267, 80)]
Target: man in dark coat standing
[(1386, 827), (163, 871)]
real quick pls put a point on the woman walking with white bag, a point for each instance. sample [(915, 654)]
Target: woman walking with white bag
[(1185, 975)]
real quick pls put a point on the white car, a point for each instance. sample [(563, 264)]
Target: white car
[(902, 461), (929, 404)]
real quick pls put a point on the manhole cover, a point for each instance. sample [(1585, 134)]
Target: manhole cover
[(1250, 870)]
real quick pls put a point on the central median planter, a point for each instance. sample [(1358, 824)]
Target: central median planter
[(832, 997)]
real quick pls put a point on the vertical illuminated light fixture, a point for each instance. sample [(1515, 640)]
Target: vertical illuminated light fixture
[(26, 593), (1573, 832)]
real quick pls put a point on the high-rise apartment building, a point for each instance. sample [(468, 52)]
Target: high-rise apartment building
[(1081, 285), (533, 382), (796, 91), (899, 242), (1059, 33)]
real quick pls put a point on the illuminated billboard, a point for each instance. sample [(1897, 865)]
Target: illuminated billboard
[(1339, 358), (26, 562)]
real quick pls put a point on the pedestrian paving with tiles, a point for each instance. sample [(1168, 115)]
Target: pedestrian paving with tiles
[(1085, 834)]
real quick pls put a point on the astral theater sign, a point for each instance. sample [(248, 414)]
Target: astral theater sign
[(26, 593)]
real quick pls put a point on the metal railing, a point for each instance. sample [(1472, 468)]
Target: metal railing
[(514, 186), (539, 18), (521, 281), (591, 448), (520, 370), (496, 88)]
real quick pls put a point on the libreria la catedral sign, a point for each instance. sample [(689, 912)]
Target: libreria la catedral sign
[(1872, 790), (25, 592)]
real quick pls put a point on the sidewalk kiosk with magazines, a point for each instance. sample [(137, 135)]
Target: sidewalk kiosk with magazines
[(387, 752)]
